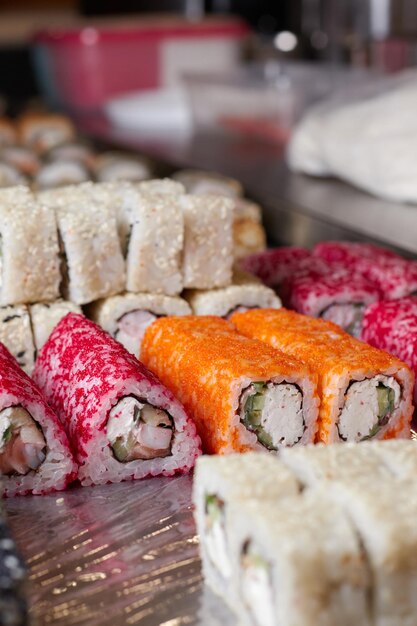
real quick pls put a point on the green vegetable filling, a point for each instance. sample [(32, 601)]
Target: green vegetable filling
[(7, 435), (214, 507), (252, 415), (386, 405)]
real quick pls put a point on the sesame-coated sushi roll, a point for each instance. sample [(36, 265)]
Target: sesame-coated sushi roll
[(273, 266), (392, 326), (120, 166), (23, 159), (201, 182), (160, 185), (10, 176), (122, 422), (16, 335), (208, 241), (248, 233), (155, 243), (92, 264), (34, 452), (297, 561), (126, 316), (60, 173), (29, 264), (242, 394), (220, 481), (245, 293), (365, 393), (340, 297), (43, 131), (383, 517), (44, 316)]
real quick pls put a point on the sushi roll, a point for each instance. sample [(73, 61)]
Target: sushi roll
[(394, 276), (10, 176), (155, 243), (161, 185), (245, 293), (120, 166), (297, 561), (34, 452), (72, 151), (273, 266), (92, 264), (43, 131), (44, 316), (392, 326), (60, 173), (242, 394), (16, 335), (29, 263), (383, 517), (7, 132), (340, 297), (202, 183), (13, 606), (220, 481), (208, 241), (21, 158), (121, 421), (126, 316), (365, 393), (248, 233)]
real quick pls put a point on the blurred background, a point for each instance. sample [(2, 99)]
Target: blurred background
[(381, 34)]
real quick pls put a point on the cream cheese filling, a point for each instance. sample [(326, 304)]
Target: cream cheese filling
[(256, 587), (22, 443)]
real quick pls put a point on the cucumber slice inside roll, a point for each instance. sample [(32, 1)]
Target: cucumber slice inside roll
[(274, 412), (216, 542), (137, 430)]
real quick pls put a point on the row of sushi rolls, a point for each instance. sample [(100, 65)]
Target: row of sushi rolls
[(143, 322)]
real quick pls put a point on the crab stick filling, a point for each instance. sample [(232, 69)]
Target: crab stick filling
[(136, 430), (256, 585), (348, 316), (22, 444), (274, 412), (131, 329), (368, 406)]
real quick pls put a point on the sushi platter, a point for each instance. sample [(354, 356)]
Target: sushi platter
[(145, 333)]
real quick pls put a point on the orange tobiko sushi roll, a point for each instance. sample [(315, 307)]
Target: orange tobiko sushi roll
[(242, 394), (365, 393)]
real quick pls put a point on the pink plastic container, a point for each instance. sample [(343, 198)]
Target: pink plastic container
[(81, 68)]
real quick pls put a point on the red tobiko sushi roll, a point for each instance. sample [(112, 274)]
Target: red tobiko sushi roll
[(273, 266), (392, 326), (35, 456), (339, 296), (349, 253), (122, 422)]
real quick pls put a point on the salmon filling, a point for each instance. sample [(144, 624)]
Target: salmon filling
[(136, 430), (23, 446), (274, 412), (131, 329)]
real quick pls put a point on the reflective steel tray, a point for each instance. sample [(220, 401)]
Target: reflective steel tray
[(114, 555)]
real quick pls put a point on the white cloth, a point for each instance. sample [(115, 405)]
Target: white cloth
[(370, 142)]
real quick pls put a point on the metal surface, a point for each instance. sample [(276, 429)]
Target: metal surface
[(297, 209), (115, 555)]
